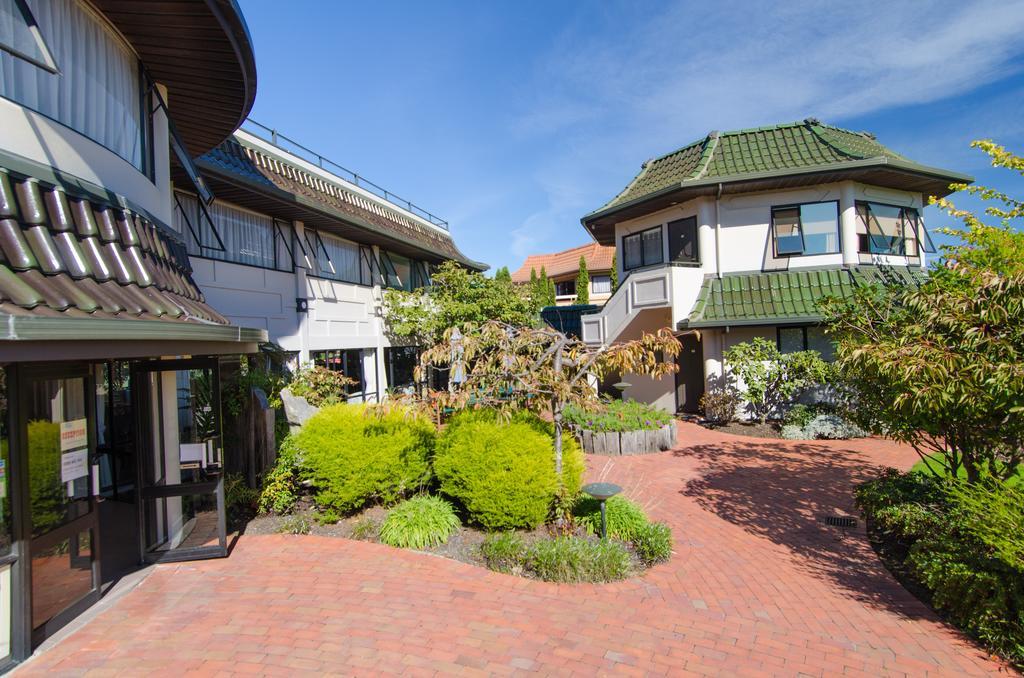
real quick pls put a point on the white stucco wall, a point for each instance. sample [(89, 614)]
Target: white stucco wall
[(38, 138)]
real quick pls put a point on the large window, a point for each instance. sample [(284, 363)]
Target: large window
[(399, 363), (348, 362), (339, 259), (98, 89), (402, 273), (601, 284), (247, 238), (682, 241), (887, 229), (642, 249), (806, 338), (565, 288), (20, 35), (807, 229)]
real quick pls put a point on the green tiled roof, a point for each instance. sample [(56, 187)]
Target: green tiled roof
[(782, 296), (791, 147)]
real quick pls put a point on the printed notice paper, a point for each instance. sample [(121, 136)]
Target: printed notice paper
[(74, 464), (73, 435)]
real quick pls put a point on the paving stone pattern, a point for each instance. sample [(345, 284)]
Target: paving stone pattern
[(758, 586)]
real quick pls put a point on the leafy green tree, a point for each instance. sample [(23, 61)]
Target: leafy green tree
[(503, 274), (545, 289), (456, 296), (615, 271), (940, 366), (583, 283), (770, 378)]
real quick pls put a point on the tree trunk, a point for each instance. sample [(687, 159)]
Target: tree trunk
[(556, 414)]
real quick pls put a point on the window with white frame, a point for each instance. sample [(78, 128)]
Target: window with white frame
[(601, 284), (565, 288), (642, 249), (887, 229), (97, 90), (806, 229)]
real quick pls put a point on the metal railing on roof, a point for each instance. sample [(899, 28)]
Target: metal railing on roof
[(272, 136)]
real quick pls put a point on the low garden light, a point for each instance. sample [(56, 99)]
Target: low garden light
[(602, 492)]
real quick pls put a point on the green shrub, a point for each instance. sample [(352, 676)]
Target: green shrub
[(617, 415), (799, 415), (572, 559), (298, 524), (653, 543), (964, 543), (503, 551), (238, 496), (419, 523), (625, 519), (354, 455), (328, 516), (366, 529), (319, 385), (45, 494), (280, 484), (504, 473)]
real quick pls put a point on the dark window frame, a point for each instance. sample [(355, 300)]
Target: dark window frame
[(48, 63), (324, 358), (566, 282), (695, 259), (917, 223), (804, 343), (800, 226), (639, 236)]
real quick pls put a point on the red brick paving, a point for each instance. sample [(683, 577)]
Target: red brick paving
[(757, 587)]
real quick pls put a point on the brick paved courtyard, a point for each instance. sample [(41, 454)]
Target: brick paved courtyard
[(757, 586)]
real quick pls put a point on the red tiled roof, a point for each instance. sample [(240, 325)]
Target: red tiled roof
[(598, 257)]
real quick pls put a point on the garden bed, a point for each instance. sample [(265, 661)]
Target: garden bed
[(616, 443)]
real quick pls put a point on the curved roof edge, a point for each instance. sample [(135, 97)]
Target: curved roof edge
[(201, 50)]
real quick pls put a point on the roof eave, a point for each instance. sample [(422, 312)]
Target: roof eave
[(35, 328), (706, 183), (307, 203)]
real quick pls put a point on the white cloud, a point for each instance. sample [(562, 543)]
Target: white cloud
[(601, 106)]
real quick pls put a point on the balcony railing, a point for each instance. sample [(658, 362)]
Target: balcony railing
[(272, 136)]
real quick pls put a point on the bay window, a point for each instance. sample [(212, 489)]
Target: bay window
[(642, 249), (806, 229)]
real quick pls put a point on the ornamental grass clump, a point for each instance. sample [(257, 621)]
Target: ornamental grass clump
[(572, 560), (503, 551), (355, 455), (653, 543), (503, 473), (419, 523)]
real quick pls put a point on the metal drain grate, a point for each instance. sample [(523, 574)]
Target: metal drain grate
[(844, 522)]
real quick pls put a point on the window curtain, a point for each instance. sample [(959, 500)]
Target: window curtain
[(345, 257), (601, 284), (97, 91), (248, 237)]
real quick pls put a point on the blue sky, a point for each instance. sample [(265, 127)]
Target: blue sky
[(513, 119)]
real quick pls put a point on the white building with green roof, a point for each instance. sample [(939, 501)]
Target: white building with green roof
[(741, 233)]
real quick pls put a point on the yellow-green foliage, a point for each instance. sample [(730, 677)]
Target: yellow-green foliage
[(355, 456), (503, 472), (45, 489)]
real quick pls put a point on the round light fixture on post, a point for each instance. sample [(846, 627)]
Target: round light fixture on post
[(602, 492)]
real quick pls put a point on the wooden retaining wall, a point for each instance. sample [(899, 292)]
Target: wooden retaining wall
[(628, 442)]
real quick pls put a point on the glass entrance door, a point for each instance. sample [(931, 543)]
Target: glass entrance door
[(180, 460), (57, 430)]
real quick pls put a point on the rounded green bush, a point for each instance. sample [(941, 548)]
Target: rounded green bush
[(653, 543), (419, 523), (625, 519), (503, 472), (354, 455)]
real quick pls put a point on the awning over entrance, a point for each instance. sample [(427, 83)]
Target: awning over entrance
[(782, 296), (74, 267)]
